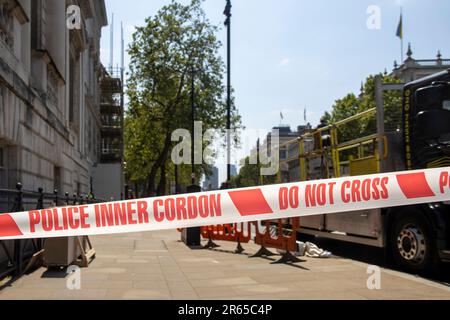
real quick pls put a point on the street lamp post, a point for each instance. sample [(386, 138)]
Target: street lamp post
[(191, 236), (227, 13), (193, 126)]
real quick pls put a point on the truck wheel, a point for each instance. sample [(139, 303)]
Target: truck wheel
[(412, 241)]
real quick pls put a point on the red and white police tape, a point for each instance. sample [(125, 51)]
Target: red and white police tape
[(232, 206)]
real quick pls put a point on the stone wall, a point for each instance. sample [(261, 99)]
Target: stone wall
[(41, 146)]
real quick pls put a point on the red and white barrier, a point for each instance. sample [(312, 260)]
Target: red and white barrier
[(232, 206)]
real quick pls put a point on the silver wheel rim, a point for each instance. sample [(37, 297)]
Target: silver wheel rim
[(411, 244)]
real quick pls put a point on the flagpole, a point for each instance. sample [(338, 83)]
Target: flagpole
[(305, 116), (401, 39), (402, 54)]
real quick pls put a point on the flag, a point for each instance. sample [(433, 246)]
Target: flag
[(281, 115), (400, 27), (305, 115)]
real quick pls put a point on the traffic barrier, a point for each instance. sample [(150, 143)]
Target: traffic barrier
[(278, 237), (263, 203), (238, 232)]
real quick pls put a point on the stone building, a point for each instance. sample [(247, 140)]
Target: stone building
[(413, 69), (49, 94), (212, 182)]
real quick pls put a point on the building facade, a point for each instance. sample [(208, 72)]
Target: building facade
[(212, 182), (413, 69), (50, 120)]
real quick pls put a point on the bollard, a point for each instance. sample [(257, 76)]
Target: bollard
[(127, 192), (18, 249), (67, 198), (191, 236), (40, 206), (40, 203), (55, 193)]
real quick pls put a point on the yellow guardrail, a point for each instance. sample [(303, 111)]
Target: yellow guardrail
[(335, 149)]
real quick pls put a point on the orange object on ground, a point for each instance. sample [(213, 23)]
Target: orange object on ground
[(279, 238), (229, 232)]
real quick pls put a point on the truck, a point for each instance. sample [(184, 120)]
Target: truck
[(416, 136)]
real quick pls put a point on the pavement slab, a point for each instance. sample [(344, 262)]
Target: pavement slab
[(157, 265)]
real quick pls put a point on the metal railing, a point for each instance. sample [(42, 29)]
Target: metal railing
[(15, 254), (333, 156), (433, 62)]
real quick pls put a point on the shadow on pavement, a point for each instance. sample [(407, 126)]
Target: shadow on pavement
[(55, 273), (375, 256)]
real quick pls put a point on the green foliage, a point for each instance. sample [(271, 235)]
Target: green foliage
[(351, 105), (248, 175), (176, 45)]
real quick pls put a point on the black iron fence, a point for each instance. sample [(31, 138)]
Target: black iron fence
[(15, 254)]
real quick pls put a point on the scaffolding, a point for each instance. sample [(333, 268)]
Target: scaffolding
[(112, 116)]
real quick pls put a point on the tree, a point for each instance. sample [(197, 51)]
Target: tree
[(249, 175), (343, 109), (176, 46), (351, 105)]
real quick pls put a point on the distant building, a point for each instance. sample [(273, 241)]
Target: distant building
[(413, 69), (233, 171), (285, 134), (212, 182), (50, 117)]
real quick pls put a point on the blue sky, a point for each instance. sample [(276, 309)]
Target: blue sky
[(292, 54)]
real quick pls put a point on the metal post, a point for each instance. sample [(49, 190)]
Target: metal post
[(67, 198), (380, 118), (40, 206), (193, 126), (18, 249), (55, 193), (40, 202), (191, 236), (127, 192), (258, 162), (176, 180), (227, 13)]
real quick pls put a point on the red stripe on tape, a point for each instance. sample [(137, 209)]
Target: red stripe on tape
[(250, 202), (415, 185), (8, 227)]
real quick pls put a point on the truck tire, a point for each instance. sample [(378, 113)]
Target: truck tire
[(411, 241)]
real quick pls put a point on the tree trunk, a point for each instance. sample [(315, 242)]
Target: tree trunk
[(161, 191), (162, 159)]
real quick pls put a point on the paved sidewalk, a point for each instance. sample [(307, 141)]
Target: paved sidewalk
[(158, 266)]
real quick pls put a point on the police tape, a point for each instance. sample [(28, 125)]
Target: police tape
[(232, 206)]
